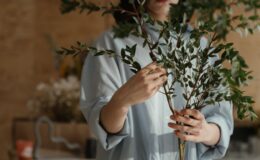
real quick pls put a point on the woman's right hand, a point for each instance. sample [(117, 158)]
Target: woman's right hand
[(141, 86), (137, 89)]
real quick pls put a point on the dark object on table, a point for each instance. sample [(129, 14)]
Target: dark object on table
[(240, 140), (243, 133), (90, 148)]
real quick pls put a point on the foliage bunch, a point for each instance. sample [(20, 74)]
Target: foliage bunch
[(226, 15), (208, 24)]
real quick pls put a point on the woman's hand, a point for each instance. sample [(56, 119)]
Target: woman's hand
[(136, 90), (141, 86), (195, 127)]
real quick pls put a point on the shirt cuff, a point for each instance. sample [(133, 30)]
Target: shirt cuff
[(108, 141), (219, 150)]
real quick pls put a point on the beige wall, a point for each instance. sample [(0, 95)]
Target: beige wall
[(25, 51), (26, 56), (249, 48)]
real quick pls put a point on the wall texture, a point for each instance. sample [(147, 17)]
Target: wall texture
[(29, 29)]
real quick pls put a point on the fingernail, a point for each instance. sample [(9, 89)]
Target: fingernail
[(173, 117)]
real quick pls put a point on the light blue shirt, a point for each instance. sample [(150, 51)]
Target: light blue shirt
[(145, 134)]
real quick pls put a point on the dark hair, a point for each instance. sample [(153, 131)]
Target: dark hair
[(126, 17), (178, 11), (183, 7)]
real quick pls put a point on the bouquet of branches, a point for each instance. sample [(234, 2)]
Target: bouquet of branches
[(200, 70)]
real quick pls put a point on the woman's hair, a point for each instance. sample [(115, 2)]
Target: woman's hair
[(120, 17), (126, 5)]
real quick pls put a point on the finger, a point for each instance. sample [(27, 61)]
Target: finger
[(161, 69), (151, 66), (148, 69), (157, 87), (186, 120), (183, 128), (157, 84), (186, 137), (155, 75), (155, 90), (159, 81), (194, 113)]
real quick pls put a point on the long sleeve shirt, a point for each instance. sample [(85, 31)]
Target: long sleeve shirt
[(145, 134)]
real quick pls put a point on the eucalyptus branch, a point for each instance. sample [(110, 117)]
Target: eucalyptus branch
[(150, 46), (193, 89), (169, 100), (201, 70)]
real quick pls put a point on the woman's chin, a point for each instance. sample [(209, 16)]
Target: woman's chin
[(159, 7), (161, 1)]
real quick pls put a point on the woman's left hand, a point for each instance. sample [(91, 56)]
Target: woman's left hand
[(195, 128)]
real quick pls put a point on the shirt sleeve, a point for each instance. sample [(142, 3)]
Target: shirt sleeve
[(100, 79), (222, 116)]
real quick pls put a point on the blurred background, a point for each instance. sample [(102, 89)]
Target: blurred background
[(35, 82)]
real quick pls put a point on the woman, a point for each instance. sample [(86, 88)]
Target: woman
[(130, 118)]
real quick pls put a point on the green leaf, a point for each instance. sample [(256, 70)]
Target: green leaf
[(185, 96), (137, 66), (191, 84), (126, 61), (133, 50), (123, 53)]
